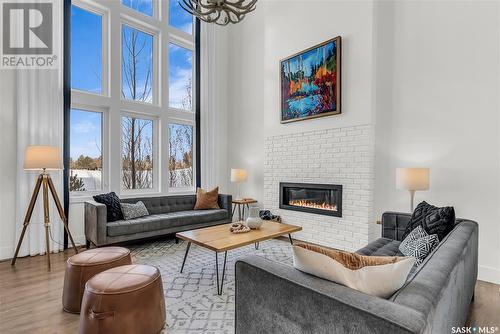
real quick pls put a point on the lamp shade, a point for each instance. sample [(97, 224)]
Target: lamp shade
[(42, 157), (412, 178), (238, 175)]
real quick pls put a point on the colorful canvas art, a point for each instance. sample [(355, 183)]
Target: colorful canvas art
[(310, 82)]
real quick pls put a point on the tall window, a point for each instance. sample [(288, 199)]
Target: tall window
[(86, 151), (137, 153), (86, 50), (137, 64), (132, 81), (181, 155)]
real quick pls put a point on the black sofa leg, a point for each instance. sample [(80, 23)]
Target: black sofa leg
[(473, 297), (87, 244), (176, 240)]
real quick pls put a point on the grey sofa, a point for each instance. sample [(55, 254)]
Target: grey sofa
[(168, 214), (275, 298)]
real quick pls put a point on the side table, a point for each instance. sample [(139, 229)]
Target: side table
[(241, 203)]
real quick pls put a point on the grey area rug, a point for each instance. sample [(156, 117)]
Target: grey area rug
[(192, 302)]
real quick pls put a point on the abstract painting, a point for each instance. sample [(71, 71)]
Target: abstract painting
[(310, 82)]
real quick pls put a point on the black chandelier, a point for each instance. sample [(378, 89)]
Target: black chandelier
[(220, 12)]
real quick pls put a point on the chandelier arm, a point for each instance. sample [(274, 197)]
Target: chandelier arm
[(201, 5), (197, 13), (221, 12), (241, 4), (239, 16)]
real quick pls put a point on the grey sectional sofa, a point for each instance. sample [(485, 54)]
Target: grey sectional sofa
[(168, 214), (275, 298)]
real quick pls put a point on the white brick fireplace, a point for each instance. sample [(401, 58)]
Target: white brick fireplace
[(336, 156)]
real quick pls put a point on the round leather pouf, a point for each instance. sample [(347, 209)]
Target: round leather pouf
[(82, 266), (126, 299)]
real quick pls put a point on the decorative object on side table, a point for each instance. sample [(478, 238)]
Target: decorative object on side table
[(238, 176), (310, 82), (253, 221), (267, 215), (412, 179), (43, 158)]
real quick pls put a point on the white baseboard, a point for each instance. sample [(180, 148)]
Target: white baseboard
[(489, 274), (7, 252)]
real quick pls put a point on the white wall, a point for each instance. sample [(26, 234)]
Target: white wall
[(7, 163), (437, 107), (424, 73), (274, 31)]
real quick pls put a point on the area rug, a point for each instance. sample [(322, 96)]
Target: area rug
[(193, 305)]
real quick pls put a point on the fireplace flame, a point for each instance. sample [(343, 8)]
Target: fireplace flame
[(308, 204)]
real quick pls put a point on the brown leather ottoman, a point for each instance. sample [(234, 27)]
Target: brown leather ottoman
[(127, 299), (82, 266)]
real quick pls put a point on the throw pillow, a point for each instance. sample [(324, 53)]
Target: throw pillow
[(112, 202), (434, 220), (375, 275), (207, 199), (136, 210), (418, 248), (417, 233)]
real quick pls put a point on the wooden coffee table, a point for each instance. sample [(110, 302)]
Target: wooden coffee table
[(220, 239)]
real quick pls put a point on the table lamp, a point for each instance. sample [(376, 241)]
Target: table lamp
[(43, 158), (412, 179), (238, 176)]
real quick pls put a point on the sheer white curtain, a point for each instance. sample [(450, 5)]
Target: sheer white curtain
[(213, 76), (39, 121)]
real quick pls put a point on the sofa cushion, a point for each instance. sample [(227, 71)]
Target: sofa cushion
[(381, 247), (433, 220), (375, 275), (113, 208), (131, 211), (163, 221), (206, 200), (419, 244)]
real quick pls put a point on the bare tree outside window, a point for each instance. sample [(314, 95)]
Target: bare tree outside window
[(137, 153), (181, 155), (137, 134), (85, 151), (137, 63)]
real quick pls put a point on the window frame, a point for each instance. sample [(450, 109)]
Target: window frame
[(155, 152), (179, 121), (104, 149), (104, 14), (113, 16), (155, 82), (181, 44)]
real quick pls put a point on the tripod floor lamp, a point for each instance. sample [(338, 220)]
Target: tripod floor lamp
[(43, 158)]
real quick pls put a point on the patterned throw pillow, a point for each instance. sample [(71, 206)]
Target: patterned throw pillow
[(131, 211), (112, 202), (419, 244), (433, 220)]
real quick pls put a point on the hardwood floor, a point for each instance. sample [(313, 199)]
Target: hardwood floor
[(30, 298)]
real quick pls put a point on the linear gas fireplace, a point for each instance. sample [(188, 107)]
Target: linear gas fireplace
[(323, 199)]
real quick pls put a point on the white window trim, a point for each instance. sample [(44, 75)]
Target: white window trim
[(113, 106)]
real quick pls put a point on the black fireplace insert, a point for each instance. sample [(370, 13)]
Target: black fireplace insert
[(324, 199)]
